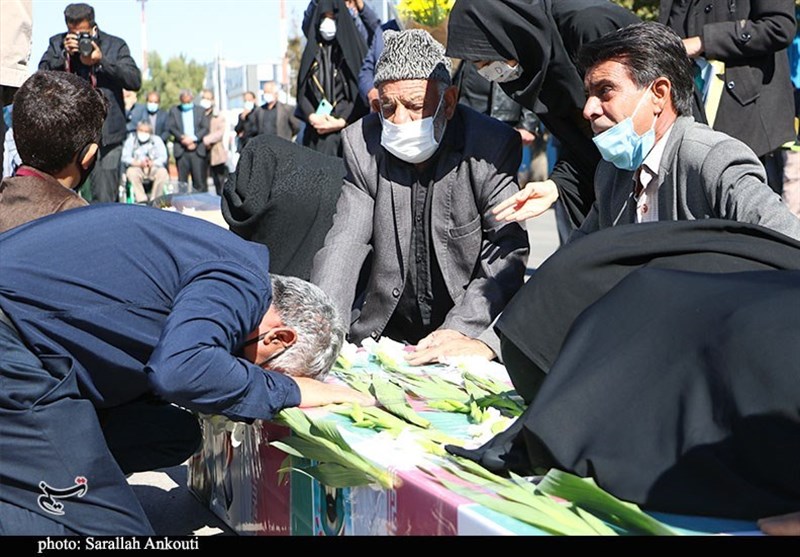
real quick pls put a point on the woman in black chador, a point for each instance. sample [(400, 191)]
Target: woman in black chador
[(327, 86)]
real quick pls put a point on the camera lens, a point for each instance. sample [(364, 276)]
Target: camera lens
[(85, 47)]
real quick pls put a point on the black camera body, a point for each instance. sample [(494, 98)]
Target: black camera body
[(85, 46)]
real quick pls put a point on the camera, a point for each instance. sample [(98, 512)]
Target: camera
[(85, 46)]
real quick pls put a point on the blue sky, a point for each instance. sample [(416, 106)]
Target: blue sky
[(243, 30)]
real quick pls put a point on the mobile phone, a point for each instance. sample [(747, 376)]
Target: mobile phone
[(324, 108)]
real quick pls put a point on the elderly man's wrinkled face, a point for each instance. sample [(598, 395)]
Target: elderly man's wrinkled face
[(408, 100)]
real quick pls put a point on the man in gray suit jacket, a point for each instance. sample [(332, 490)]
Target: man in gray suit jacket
[(659, 164), (414, 252)]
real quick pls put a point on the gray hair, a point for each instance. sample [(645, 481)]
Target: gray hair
[(320, 331), (411, 54)]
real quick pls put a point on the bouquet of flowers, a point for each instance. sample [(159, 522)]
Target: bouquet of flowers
[(430, 15)]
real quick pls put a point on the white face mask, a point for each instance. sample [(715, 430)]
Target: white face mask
[(414, 141), (143, 137), (249, 105), (206, 103), (327, 28), (269, 98), (500, 71)]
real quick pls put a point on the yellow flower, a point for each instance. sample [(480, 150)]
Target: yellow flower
[(426, 12)]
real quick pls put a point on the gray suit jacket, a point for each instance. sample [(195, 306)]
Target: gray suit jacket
[(483, 261), (703, 174)]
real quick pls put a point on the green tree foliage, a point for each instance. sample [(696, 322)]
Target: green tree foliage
[(168, 79), (646, 9), (294, 52)]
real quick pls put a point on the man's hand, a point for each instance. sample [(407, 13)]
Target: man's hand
[(693, 46), (357, 4), (188, 142), (95, 57), (526, 136), (444, 343), (317, 393), (783, 525), (71, 43), (531, 201)]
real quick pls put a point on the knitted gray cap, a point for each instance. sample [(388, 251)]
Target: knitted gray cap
[(411, 54)]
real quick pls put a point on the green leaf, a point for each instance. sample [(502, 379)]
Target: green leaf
[(449, 406), (585, 493), (322, 441), (393, 398)]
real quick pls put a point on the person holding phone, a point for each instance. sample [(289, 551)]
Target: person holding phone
[(327, 98)]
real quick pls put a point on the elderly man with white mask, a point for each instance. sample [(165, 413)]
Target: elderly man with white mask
[(415, 253)]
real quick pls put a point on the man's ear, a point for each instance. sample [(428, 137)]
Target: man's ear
[(450, 101), (285, 336), (662, 92), (375, 104), (87, 154)]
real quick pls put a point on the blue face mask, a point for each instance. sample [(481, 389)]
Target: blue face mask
[(152, 108), (186, 107), (622, 146)]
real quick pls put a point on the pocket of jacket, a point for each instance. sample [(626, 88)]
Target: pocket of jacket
[(465, 230), (743, 83)]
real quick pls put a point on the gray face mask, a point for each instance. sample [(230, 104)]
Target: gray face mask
[(500, 71)]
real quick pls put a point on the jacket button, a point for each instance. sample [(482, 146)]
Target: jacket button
[(708, 8), (396, 292), (731, 84), (746, 36)]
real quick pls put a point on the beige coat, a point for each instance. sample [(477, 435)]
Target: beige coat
[(16, 27), (217, 154)]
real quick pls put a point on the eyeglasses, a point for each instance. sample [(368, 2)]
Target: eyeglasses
[(258, 339), (246, 343)]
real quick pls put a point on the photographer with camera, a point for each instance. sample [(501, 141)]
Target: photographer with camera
[(105, 61)]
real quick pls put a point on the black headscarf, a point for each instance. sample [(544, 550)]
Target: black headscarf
[(542, 35), (283, 195), (347, 39), (521, 30)]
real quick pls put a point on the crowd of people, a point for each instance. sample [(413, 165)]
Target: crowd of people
[(654, 349)]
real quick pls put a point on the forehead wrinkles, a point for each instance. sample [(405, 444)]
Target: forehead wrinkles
[(405, 90)]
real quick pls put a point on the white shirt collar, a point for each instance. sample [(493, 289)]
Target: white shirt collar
[(653, 159)]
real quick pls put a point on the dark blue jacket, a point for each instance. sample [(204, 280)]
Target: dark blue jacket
[(117, 71), (157, 303)]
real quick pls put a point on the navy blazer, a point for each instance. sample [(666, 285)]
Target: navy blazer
[(163, 316), (175, 127)]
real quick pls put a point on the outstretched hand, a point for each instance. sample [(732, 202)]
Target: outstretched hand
[(444, 343), (531, 201), (317, 393), (782, 525)]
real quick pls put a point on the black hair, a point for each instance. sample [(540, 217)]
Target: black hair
[(649, 50), (76, 13), (56, 115)]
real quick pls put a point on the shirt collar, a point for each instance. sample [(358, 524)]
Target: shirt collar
[(653, 159)]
